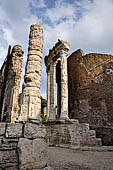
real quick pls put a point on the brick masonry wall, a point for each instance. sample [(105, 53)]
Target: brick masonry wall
[(90, 79)]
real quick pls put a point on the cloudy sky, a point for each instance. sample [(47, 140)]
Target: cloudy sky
[(85, 24)]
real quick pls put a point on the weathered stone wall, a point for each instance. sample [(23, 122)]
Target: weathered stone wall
[(31, 98), (71, 134), (90, 79), (22, 146), (10, 75)]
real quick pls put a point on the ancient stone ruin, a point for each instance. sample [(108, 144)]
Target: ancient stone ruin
[(22, 144), (62, 131), (10, 76), (90, 84), (90, 92), (56, 63), (31, 98), (79, 103)]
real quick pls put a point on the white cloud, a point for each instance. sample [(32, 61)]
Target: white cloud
[(60, 12), (38, 3), (84, 24)]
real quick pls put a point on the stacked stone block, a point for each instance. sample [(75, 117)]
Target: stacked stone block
[(71, 134), (23, 146), (31, 99)]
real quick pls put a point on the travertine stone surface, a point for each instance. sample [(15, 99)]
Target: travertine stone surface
[(52, 114), (33, 131), (90, 79), (57, 56), (71, 134), (64, 85), (2, 128), (32, 154), (23, 146), (11, 75), (17, 58), (48, 93), (14, 130), (31, 102)]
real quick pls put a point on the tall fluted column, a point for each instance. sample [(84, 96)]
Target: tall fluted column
[(64, 85), (52, 91), (48, 93), (31, 98)]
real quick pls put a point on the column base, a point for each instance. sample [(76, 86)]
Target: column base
[(64, 118), (50, 120), (35, 120)]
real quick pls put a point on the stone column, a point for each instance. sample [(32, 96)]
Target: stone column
[(10, 108), (58, 98), (52, 114), (31, 98), (17, 62), (48, 93), (64, 85)]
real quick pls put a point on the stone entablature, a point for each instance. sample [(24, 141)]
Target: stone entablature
[(56, 62)]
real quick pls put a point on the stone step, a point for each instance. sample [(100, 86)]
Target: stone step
[(72, 134), (84, 126)]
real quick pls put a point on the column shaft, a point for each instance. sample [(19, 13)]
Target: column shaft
[(64, 86), (52, 91), (48, 93)]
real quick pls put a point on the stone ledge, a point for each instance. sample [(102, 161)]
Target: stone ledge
[(86, 148), (54, 122)]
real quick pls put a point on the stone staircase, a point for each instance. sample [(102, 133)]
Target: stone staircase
[(71, 134)]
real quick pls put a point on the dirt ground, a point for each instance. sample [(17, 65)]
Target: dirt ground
[(67, 159)]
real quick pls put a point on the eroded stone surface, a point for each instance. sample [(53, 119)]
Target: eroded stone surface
[(14, 130), (90, 81), (2, 128), (32, 154), (31, 101), (10, 77), (34, 131), (57, 56), (8, 157)]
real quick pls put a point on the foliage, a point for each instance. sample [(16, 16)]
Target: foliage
[(43, 104), (43, 117)]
